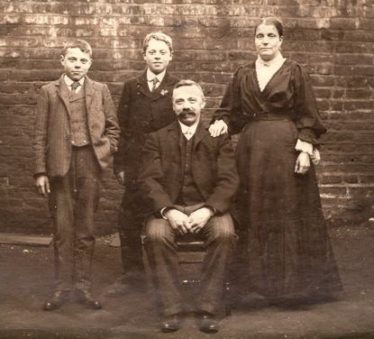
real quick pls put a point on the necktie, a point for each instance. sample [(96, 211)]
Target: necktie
[(154, 83), (188, 134), (75, 85)]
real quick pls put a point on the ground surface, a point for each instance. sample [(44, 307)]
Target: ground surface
[(26, 279)]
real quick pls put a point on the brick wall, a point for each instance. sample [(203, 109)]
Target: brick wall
[(333, 38)]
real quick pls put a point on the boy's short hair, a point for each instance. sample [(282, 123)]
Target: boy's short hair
[(158, 36), (83, 45), (187, 82)]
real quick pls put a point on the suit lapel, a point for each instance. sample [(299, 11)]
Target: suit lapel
[(174, 131), (165, 86), (63, 93), (200, 134), (142, 85), (89, 92)]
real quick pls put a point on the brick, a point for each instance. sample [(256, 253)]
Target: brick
[(359, 35), (295, 34), (358, 93), (355, 59), (339, 93), (354, 46), (239, 55), (344, 23), (355, 81), (322, 92), (366, 179), (358, 105), (322, 80), (330, 179), (351, 179), (365, 23)]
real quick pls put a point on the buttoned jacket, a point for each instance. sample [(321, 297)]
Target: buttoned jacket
[(141, 112), (213, 168)]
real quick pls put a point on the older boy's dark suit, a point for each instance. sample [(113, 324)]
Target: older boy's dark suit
[(74, 172), (140, 113), (162, 180)]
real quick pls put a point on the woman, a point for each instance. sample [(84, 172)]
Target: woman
[(270, 101)]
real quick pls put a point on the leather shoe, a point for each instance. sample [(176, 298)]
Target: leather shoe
[(86, 298), (171, 323), (208, 323), (56, 301)]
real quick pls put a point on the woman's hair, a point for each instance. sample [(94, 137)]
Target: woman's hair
[(83, 45), (158, 36), (276, 22)]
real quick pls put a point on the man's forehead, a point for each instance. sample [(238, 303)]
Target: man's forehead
[(187, 90)]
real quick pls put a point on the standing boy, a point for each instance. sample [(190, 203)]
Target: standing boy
[(76, 133), (145, 106)]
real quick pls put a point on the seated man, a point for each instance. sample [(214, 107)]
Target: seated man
[(188, 180)]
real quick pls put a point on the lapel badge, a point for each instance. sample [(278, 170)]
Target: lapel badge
[(164, 92)]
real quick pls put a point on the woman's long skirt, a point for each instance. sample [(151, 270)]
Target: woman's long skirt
[(288, 249)]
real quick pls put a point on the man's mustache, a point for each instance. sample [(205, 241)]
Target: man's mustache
[(187, 112)]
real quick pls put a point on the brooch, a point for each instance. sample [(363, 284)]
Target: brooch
[(164, 91)]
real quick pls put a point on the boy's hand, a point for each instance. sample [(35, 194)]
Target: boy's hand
[(42, 184)]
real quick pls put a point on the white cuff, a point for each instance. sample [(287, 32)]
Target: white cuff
[(303, 146), (315, 157), (162, 213)]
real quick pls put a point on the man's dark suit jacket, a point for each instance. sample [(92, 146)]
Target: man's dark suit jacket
[(141, 112), (52, 142), (213, 168)]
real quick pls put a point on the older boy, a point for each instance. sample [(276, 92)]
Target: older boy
[(145, 106), (76, 133)]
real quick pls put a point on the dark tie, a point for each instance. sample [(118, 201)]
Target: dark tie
[(154, 83), (75, 85)]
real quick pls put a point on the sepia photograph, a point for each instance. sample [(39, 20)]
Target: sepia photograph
[(186, 169)]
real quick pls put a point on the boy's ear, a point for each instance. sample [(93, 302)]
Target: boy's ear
[(62, 59)]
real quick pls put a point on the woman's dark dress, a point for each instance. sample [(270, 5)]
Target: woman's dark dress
[(287, 245)]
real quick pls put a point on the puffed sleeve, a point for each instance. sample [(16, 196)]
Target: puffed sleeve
[(230, 110), (308, 120)]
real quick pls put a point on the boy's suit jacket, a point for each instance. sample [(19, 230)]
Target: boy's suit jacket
[(141, 112), (52, 142), (213, 168)]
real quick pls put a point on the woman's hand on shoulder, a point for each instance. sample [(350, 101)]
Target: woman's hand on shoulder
[(217, 128), (302, 163)]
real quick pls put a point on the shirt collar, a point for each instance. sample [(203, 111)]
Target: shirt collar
[(275, 62), (69, 81), (191, 130), (151, 75)]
